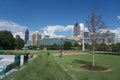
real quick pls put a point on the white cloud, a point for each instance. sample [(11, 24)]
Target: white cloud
[(50, 30), (63, 30), (11, 26), (83, 27), (117, 31), (15, 28), (118, 17), (19, 33)]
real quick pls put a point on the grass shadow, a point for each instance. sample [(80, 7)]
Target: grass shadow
[(82, 62)]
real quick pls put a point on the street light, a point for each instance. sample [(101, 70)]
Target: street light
[(25, 48), (61, 48), (83, 46)]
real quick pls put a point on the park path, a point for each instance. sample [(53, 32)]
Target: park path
[(68, 54)]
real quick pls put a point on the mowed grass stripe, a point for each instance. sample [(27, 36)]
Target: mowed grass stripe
[(71, 64), (44, 67)]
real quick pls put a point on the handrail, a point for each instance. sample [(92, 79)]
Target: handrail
[(3, 72)]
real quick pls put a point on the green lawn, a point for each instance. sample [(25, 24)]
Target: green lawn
[(46, 67), (36, 51), (71, 64), (29, 51)]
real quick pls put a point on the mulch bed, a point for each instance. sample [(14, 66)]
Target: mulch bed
[(95, 68)]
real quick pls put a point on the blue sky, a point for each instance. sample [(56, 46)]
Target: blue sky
[(39, 14)]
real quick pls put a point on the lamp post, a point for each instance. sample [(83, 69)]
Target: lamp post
[(25, 48), (83, 46), (61, 48)]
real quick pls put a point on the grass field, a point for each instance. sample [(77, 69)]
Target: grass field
[(23, 51), (71, 64), (46, 67), (42, 68), (35, 51)]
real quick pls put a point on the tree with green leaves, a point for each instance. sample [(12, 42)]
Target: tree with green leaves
[(116, 47), (67, 45), (33, 47), (42, 46), (76, 44), (54, 47), (7, 41), (19, 43)]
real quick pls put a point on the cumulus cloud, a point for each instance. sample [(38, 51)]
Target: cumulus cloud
[(117, 31), (118, 17), (83, 28), (51, 30), (15, 28), (11, 26), (19, 33), (62, 30)]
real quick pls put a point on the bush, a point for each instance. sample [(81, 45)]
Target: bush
[(116, 47)]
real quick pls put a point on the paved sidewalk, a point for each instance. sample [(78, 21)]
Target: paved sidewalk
[(68, 54), (6, 60)]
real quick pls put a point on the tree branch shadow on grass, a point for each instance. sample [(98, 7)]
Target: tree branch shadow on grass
[(82, 62), (88, 65)]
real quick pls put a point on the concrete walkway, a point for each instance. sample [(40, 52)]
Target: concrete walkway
[(68, 54), (8, 59)]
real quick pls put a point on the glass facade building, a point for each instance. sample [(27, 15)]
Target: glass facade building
[(51, 41), (26, 36), (109, 38)]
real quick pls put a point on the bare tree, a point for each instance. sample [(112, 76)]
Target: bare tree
[(104, 35), (94, 24)]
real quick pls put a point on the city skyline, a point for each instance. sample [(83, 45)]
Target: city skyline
[(55, 17)]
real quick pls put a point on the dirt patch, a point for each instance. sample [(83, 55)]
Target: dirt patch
[(68, 54), (94, 68)]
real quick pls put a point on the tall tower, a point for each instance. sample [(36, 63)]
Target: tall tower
[(26, 36), (76, 31), (36, 38)]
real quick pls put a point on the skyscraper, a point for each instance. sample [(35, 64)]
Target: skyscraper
[(36, 38), (26, 36), (76, 31)]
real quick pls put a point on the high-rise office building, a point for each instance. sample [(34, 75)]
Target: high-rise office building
[(76, 31), (26, 36), (36, 38)]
